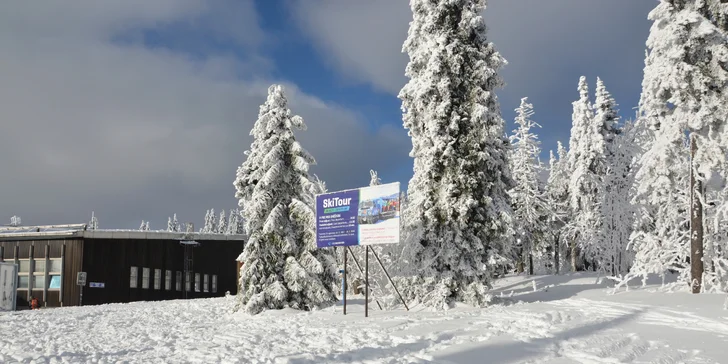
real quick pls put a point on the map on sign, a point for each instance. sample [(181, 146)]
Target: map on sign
[(365, 216)]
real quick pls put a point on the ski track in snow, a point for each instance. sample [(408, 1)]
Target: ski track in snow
[(571, 330)]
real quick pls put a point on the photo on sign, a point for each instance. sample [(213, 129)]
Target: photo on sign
[(378, 214)]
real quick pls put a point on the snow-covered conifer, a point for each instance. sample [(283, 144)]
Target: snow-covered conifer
[(169, 224), (94, 223), (282, 266), (588, 165), (529, 202), (210, 226), (618, 214), (557, 193), (15, 221), (683, 93), (232, 224), (175, 223), (459, 223), (221, 227), (144, 226)]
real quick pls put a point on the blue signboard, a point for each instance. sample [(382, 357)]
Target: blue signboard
[(364, 216)]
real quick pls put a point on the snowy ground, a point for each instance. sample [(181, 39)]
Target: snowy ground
[(572, 321)]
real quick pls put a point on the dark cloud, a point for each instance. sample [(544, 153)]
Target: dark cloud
[(136, 132)]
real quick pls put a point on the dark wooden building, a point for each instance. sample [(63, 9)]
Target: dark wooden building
[(120, 265)]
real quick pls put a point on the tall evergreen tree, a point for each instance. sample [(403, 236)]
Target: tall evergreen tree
[(281, 265), (557, 192), (94, 223), (684, 93), (221, 227), (175, 223), (618, 213), (460, 215), (588, 165), (529, 202)]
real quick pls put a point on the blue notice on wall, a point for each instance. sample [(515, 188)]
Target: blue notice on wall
[(55, 282), (96, 284)]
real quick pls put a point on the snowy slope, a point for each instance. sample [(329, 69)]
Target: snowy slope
[(569, 319)]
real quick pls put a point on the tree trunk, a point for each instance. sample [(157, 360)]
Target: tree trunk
[(573, 254), (556, 254), (530, 263), (696, 222)]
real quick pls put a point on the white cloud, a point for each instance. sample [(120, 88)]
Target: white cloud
[(134, 131), (361, 39)]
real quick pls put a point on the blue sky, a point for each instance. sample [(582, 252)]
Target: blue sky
[(139, 110)]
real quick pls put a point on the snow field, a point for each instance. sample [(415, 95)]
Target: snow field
[(568, 319)]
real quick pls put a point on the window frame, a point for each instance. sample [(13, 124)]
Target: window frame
[(157, 279), (214, 283), (206, 283), (197, 282), (145, 277), (178, 281), (167, 280), (134, 277)]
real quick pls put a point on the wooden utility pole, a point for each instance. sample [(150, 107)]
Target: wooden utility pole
[(696, 222)]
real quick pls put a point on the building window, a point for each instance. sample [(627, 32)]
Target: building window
[(188, 281), (56, 266), (178, 282), (23, 273), (168, 280), (206, 283), (54, 282), (39, 267), (214, 283), (23, 266), (145, 278), (39, 282), (133, 278), (157, 279), (197, 282)]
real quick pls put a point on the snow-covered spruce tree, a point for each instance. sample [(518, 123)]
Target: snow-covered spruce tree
[(587, 165), (281, 265), (169, 224), (528, 200), (232, 224), (684, 93), (204, 227), (94, 223), (221, 227), (557, 193), (613, 200), (459, 223), (661, 237), (210, 226), (618, 212), (175, 223), (144, 226)]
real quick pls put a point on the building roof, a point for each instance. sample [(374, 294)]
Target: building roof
[(71, 231)]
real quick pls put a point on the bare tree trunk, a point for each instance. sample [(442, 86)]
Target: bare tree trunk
[(573, 254), (556, 254), (530, 263), (696, 222)]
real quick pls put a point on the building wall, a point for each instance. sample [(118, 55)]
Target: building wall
[(110, 262), (41, 263)]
